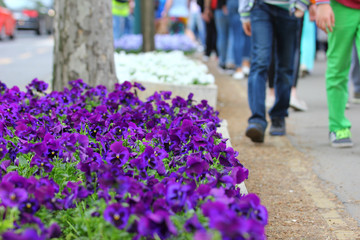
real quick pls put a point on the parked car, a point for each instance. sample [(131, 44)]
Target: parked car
[(7, 24), (32, 15)]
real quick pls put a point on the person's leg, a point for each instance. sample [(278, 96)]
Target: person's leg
[(222, 30), (209, 36), (338, 64), (297, 50), (201, 28), (308, 44), (116, 27), (262, 31), (235, 26), (122, 25), (295, 102), (354, 75), (285, 26), (230, 46)]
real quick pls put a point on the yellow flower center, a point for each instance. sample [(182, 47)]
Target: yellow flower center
[(42, 164), (13, 196), (28, 205), (116, 216)]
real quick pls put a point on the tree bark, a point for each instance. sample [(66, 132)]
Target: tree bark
[(148, 25), (84, 45)]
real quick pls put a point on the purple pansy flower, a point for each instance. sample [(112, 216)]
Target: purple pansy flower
[(10, 195), (117, 215), (118, 155)]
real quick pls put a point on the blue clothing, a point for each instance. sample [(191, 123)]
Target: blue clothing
[(267, 20), (308, 43), (245, 6), (241, 42), (179, 8), (160, 8), (197, 24), (354, 75), (222, 29), (122, 25)]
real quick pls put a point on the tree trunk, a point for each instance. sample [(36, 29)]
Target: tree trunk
[(148, 25), (84, 45)]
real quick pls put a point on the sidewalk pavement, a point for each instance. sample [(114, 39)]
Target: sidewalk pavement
[(308, 132), (339, 168), (327, 176)]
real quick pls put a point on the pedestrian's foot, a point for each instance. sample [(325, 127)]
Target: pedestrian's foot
[(341, 138), (225, 70), (255, 132), (246, 70), (238, 75), (277, 127), (298, 104), (356, 98)]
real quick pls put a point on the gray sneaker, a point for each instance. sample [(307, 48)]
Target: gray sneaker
[(277, 127), (341, 138)]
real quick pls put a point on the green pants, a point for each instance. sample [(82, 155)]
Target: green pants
[(340, 42)]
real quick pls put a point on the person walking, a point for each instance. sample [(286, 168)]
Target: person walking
[(222, 28), (196, 23), (264, 20), (241, 42), (178, 11), (341, 20), (121, 12), (207, 10)]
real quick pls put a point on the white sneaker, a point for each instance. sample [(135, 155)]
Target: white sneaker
[(298, 104), (238, 75), (246, 70)]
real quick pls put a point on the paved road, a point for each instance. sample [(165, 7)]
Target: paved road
[(27, 57), (339, 168)]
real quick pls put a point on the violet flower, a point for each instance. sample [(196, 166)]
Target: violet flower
[(10, 195), (3, 151), (157, 223), (119, 154), (117, 215)]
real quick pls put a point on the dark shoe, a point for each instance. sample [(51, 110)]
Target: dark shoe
[(255, 132), (277, 127)]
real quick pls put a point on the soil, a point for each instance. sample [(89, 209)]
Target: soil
[(300, 206)]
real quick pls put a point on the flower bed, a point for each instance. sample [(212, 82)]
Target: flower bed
[(87, 164), (172, 71), (163, 42)]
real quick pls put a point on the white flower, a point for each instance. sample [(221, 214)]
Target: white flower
[(161, 67)]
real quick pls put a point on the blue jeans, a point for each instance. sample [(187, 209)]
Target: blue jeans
[(196, 23), (354, 75), (241, 46), (122, 25), (267, 20), (222, 28)]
